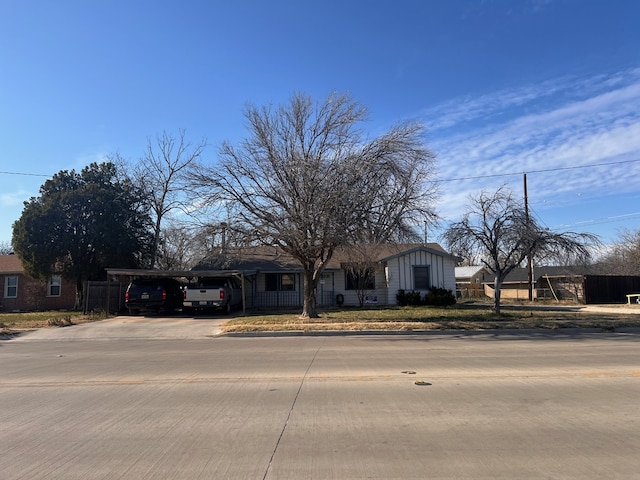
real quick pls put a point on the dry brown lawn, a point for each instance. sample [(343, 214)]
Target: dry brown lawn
[(463, 316), (466, 316), (12, 323)]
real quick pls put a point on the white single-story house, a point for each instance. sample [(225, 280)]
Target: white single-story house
[(274, 279)]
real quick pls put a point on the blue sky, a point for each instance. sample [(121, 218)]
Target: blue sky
[(547, 87)]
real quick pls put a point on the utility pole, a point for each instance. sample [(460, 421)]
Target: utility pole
[(425, 232), (529, 263)]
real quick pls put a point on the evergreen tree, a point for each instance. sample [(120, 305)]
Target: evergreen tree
[(82, 223)]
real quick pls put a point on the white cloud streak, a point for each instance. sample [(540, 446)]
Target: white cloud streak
[(561, 123)]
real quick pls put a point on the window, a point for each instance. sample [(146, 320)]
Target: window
[(55, 283), (280, 282), (11, 287), (287, 282), (421, 278), (360, 280)]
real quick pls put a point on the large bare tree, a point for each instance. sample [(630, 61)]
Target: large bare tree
[(307, 179), (498, 229), (162, 174)]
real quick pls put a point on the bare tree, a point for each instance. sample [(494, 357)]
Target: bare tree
[(162, 174), (180, 247), (498, 228), (308, 181), (624, 256), (5, 248), (360, 265)]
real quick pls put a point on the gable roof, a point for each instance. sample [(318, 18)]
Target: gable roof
[(273, 259), (469, 271), (407, 249), (264, 259), (10, 264)]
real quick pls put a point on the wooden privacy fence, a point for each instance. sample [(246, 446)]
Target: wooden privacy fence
[(610, 288), (104, 296)]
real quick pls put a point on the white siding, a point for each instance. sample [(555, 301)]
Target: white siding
[(393, 280), (351, 296), (400, 272)]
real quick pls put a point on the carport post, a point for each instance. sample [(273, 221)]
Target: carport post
[(242, 287)]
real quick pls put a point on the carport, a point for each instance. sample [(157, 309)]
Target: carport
[(188, 274)]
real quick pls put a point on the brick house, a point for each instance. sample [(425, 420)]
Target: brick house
[(21, 293)]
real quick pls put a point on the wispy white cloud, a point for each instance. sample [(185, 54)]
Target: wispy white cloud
[(561, 123), (495, 106), (485, 107)]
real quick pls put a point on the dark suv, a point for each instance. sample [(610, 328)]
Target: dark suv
[(153, 295)]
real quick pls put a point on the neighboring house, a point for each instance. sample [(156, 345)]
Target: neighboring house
[(470, 281), (275, 279), (22, 293), (564, 282), (582, 284)]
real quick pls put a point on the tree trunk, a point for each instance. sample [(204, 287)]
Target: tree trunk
[(79, 303), (309, 308), (156, 243), (496, 294)]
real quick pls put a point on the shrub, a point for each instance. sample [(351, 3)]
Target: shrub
[(440, 297), (60, 322), (410, 299)]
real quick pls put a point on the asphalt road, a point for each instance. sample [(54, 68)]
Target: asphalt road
[(128, 399)]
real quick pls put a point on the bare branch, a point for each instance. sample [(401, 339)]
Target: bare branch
[(306, 180), (497, 229), (162, 173)]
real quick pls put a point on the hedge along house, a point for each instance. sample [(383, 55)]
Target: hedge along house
[(274, 279), (21, 293)]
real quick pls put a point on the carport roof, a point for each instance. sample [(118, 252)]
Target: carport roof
[(141, 272)]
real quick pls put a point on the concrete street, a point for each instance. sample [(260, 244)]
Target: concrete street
[(153, 398)]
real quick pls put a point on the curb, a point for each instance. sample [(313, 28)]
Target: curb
[(397, 333)]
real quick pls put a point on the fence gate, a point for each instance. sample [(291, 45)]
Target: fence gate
[(104, 296)]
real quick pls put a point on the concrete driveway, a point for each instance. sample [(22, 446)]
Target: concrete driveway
[(134, 327)]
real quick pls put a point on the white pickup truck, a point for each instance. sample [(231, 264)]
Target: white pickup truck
[(215, 293)]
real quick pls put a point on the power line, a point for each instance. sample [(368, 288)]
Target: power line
[(25, 174), (473, 177), (557, 169)]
